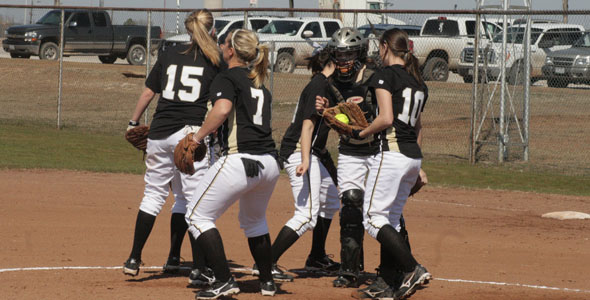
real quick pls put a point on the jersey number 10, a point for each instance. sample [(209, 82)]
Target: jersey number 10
[(407, 117), (189, 95)]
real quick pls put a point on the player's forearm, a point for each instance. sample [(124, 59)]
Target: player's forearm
[(216, 116), (305, 140), (418, 129), (384, 119), (144, 100)]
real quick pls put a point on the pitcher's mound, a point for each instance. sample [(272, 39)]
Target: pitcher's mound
[(566, 215)]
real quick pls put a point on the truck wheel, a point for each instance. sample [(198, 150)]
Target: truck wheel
[(557, 83), (436, 69), (516, 74), (285, 63), (468, 79), (15, 55), (107, 59), (136, 55), (49, 50)]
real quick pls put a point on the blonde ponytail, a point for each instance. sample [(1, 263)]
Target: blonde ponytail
[(251, 53), (198, 24)]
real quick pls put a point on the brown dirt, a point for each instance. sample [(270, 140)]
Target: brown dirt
[(80, 219)]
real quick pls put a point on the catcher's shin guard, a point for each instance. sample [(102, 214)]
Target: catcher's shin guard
[(351, 233)]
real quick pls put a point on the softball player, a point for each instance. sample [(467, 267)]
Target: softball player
[(401, 94), (349, 52), (314, 191), (182, 76), (248, 169)]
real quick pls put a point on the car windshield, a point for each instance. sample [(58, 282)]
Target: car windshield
[(282, 27), (53, 18), (366, 31), (515, 35), (583, 41), (219, 24)]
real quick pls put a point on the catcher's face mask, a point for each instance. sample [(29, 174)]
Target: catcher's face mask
[(347, 64)]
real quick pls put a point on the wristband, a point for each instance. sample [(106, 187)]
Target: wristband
[(133, 123), (355, 134)]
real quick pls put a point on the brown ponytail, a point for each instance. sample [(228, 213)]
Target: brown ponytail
[(398, 43), (198, 24), (252, 53)]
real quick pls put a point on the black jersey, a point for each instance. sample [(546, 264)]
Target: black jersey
[(248, 126), (304, 110), (408, 99), (183, 84), (357, 93)]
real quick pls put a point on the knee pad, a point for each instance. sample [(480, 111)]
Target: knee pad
[(354, 197)]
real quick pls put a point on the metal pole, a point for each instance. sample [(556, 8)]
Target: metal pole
[(177, 15), (501, 148), (148, 57), (272, 66), (31, 12), (475, 81), (527, 86), (61, 61), (355, 19), (565, 8), (245, 26)]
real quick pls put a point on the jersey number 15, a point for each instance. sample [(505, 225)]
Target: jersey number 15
[(194, 85)]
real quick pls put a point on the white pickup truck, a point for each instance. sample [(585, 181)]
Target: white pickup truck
[(545, 38), (441, 40)]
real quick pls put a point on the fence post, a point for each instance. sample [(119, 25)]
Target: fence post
[(272, 66), (148, 57), (527, 87), (475, 81), (61, 61), (355, 19)]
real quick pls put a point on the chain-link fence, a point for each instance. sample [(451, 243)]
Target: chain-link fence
[(97, 90)]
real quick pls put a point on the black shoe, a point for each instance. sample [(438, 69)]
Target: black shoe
[(268, 288), (201, 278), (324, 264), (412, 281), (219, 289), (131, 266), (277, 274), (172, 265), (378, 289), (345, 281)]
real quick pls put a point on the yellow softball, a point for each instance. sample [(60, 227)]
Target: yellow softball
[(342, 118)]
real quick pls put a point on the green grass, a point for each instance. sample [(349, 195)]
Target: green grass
[(48, 148), (26, 146)]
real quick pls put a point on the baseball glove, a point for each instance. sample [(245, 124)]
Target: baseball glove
[(356, 117), (187, 152), (138, 136)]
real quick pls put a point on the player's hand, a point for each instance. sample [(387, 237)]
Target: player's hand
[(301, 169), (423, 176), (321, 103)]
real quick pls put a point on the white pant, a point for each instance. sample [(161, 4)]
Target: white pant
[(225, 183), (391, 177), (352, 171), (315, 185), (161, 174)]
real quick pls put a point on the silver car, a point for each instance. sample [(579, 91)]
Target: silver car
[(570, 65)]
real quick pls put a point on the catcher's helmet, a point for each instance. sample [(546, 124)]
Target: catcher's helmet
[(348, 50)]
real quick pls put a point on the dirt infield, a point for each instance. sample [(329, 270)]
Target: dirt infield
[(478, 244)]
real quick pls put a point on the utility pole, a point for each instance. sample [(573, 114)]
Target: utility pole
[(291, 5), (565, 8), (56, 3), (101, 3)]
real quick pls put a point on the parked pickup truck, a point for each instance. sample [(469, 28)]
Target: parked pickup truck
[(545, 38), (441, 40), (569, 65), (87, 32)]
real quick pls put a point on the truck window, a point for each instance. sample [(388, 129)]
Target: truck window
[(53, 18), (82, 19), (315, 28), (257, 24), (441, 27), (470, 27), (100, 19), (236, 25), (331, 27)]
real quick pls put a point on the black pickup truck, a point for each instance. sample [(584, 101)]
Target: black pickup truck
[(87, 32)]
